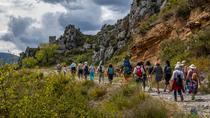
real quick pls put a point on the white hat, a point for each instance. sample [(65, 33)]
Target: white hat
[(192, 66), (177, 66), (178, 63), (183, 62), (86, 62)]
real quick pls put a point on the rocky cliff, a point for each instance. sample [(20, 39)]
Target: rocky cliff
[(148, 24), (181, 19)]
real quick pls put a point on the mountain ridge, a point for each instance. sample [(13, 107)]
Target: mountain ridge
[(8, 58)]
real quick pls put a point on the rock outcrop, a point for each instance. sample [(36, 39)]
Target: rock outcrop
[(112, 38)]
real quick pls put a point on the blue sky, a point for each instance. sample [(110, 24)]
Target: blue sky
[(30, 22)]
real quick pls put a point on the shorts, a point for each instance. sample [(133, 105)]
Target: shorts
[(110, 77), (158, 78)]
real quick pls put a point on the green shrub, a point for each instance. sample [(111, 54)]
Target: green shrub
[(29, 62), (200, 44), (173, 50), (97, 92), (183, 11)]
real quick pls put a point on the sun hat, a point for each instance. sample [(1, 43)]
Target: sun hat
[(192, 66), (183, 62), (178, 63), (177, 66)]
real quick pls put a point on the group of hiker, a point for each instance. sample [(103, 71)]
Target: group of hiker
[(181, 79), (83, 70)]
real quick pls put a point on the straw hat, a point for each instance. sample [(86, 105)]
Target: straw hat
[(192, 66)]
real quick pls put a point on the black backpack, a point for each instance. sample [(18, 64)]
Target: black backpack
[(100, 69), (86, 70), (168, 70), (179, 80)]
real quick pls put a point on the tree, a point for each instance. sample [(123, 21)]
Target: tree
[(46, 54)]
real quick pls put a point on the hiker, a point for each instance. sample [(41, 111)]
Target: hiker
[(194, 84), (92, 72), (127, 68), (149, 69), (73, 69), (140, 73), (167, 74), (178, 82), (110, 73), (100, 71), (80, 71), (158, 71), (86, 70), (59, 68), (192, 69)]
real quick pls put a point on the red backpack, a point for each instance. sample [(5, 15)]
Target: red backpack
[(139, 72)]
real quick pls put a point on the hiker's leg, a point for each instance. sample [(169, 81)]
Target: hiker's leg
[(180, 93), (102, 77), (144, 83), (158, 87), (99, 79), (175, 95)]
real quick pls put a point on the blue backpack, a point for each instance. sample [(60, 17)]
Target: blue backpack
[(111, 71), (127, 66)]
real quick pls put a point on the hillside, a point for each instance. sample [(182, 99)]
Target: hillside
[(8, 58), (182, 20), (148, 24)]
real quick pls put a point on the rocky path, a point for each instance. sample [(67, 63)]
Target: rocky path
[(201, 105)]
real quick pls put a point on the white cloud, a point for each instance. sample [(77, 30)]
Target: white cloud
[(6, 46), (49, 17)]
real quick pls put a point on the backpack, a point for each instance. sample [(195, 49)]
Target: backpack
[(73, 68), (86, 70), (92, 70), (100, 69), (127, 66), (150, 69), (179, 80), (111, 71), (168, 70), (139, 72)]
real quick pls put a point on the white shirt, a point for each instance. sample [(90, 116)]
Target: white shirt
[(176, 73)]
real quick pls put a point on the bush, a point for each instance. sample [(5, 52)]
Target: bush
[(97, 92), (28, 93), (183, 11), (29, 62), (174, 50), (200, 44)]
